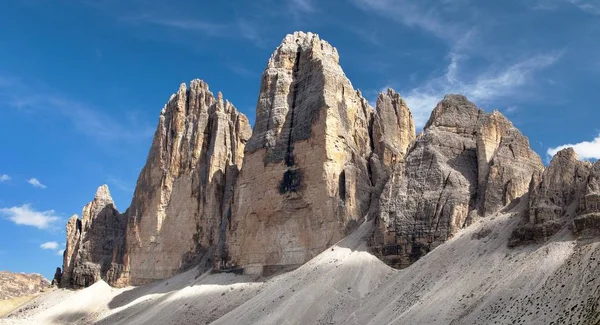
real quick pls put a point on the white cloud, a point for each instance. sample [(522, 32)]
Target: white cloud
[(49, 245), (414, 14), (120, 184), (587, 6), (4, 178), (36, 183), (25, 215), (468, 40), (60, 252), (586, 149), (205, 27), (481, 88)]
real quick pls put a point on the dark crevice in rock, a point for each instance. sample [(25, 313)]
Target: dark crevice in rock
[(342, 186)]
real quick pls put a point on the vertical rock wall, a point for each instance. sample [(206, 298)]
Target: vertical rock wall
[(567, 193), (95, 243), (305, 180), (464, 164), (183, 191)]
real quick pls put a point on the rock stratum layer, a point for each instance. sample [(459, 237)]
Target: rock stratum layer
[(318, 163)]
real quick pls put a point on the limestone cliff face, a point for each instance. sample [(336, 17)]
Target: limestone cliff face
[(505, 163), (461, 166), (393, 132), (95, 243), (393, 128), (185, 188), (567, 193), (305, 180)]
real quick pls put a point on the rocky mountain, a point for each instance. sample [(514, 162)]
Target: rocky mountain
[(182, 198), (183, 194), (565, 195), (319, 162), (305, 181), (464, 165), (95, 243), (14, 285)]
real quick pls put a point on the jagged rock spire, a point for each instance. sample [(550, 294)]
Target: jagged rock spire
[(95, 243), (305, 180), (183, 191), (464, 165)]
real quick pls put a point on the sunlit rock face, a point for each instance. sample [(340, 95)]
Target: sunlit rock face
[(186, 186), (95, 244), (566, 194), (318, 163), (465, 164), (305, 180)]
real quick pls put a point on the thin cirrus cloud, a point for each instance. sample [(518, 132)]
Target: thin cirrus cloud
[(87, 120), (36, 183), (49, 245), (4, 178), (26, 215), (586, 150), (482, 88), (500, 78)]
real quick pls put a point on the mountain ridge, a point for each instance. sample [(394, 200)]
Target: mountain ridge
[(318, 163)]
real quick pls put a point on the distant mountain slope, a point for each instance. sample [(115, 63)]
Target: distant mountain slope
[(13, 285)]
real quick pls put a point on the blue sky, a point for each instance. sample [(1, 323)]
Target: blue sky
[(82, 82)]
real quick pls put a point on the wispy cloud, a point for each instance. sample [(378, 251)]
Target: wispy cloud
[(499, 77), (120, 184), (303, 5), (588, 6), (482, 88), (592, 7), (511, 109), (425, 15), (49, 245), (27, 216), (241, 70), (4, 178), (585, 149), (84, 118), (60, 252), (36, 183), (176, 19), (193, 25)]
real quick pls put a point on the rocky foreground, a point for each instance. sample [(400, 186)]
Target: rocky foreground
[(373, 223)]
